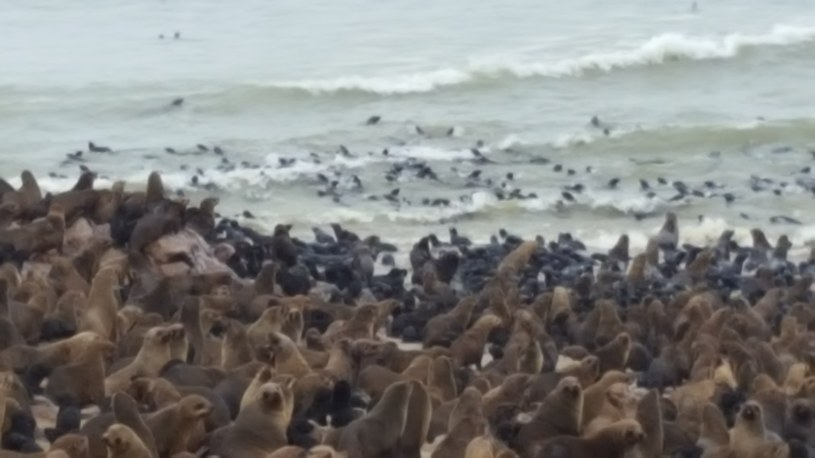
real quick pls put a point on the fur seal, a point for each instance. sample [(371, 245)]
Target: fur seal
[(179, 427), (560, 414), (100, 314), (417, 421), (442, 329), (82, 382), (28, 195), (468, 348), (613, 441), (468, 405), (379, 433), (39, 236), (260, 427), (122, 442), (454, 445), (155, 353)]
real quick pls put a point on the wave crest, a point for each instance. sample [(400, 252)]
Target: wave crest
[(663, 48)]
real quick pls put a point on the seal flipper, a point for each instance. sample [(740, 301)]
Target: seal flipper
[(68, 421), (20, 436)]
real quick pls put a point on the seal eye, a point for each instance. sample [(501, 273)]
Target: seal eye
[(749, 413)]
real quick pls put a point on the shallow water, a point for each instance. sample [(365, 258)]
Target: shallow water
[(717, 94)]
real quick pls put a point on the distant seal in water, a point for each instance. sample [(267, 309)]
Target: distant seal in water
[(98, 149)]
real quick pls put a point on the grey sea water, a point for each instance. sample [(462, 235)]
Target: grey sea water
[(717, 95)]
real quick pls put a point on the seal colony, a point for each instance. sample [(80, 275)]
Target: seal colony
[(135, 325)]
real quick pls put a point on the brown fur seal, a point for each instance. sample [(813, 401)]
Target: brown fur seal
[(749, 431), (519, 257), (64, 277), (649, 416), (202, 219), (618, 404), (468, 348), (125, 411), (155, 189), (101, 312), (260, 427), (487, 446), (511, 391), (83, 381), (9, 334), (560, 414), (235, 348), (454, 445), (375, 379), (28, 195), (157, 393), (713, 433), (74, 445), (54, 354), (595, 395), (441, 379), (180, 427), (586, 371), (85, 181), (417, 422), (287, 356), (362, 325), (613, 441), (289, 451), (468, 405), (379, 432), (340, 365), (151, 227), (76, 204), (8, 214), (122, 442), (39, 236), (156, 351), (271, 320), (442, 329)]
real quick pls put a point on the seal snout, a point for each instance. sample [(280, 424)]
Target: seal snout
[(272, 397), (572, 390), (749, 413)]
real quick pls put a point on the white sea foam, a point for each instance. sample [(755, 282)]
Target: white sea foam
[(430, 153), (480, 201), (660, 49)]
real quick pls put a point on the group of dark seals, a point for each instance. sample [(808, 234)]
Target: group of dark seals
[(158, 329)]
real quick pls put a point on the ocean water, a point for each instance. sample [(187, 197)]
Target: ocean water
[(717, 95)]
